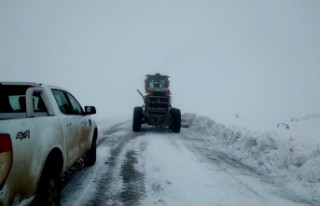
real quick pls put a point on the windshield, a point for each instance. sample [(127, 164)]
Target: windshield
[(156, 82)]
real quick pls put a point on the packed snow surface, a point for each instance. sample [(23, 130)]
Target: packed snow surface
[(207, 163)]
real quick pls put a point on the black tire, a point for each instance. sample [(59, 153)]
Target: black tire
[(91, 156), (176, 120), (137, 116), (48, 193)]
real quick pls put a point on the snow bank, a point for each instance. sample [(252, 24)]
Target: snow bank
[(291, 150)]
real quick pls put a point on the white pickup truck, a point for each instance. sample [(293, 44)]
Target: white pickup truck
[(43, 132)]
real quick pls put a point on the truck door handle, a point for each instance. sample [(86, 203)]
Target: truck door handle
[(69, 124)]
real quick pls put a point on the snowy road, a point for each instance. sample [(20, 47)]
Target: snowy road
[(159, 168)]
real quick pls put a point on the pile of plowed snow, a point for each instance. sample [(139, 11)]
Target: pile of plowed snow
[(291, 150)]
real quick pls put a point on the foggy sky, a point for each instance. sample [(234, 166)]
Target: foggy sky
[(257, 59)]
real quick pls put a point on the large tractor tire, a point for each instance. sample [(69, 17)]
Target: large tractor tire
[(137, 116), (176, 120)]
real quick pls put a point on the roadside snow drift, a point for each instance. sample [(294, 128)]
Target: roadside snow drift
[(291, 151)]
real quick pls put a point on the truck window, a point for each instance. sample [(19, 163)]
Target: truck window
[(38, 103), (76, 108), (66, 102), (17, 102), (9, 98), (13, 102), (61, 100)]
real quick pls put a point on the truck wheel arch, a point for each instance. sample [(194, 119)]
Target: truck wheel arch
[(90, 156), (54, 161)]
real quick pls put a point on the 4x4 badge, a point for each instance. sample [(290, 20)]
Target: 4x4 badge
[(23, 135)]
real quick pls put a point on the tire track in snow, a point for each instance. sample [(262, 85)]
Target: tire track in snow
[(133, 180), (89, 183), (77, 182), (119, 171)]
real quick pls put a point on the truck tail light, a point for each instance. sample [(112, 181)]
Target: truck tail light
[(6, 157)]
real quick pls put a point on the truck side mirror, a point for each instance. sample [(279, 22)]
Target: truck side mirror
[(89, 110)]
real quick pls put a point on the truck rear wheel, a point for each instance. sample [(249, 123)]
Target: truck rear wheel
[(51, 192), (176, 120), (137, 116), (49, 189)]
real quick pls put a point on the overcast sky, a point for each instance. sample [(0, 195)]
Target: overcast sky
[(253, 58)]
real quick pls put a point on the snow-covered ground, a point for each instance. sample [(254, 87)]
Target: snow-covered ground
[(208, 163), (291, 151)]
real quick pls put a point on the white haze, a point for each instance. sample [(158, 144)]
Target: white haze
[(256, 59)]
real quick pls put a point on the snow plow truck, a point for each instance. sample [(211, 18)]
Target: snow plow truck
[(157, 110)]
